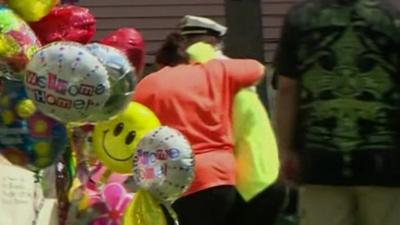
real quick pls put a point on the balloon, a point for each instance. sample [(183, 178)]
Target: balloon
[(163, 164), (32, 10), (27, 137), (121, 76), (144, 210), (92, 207), (129, 41), (111, 204), (66, 23), (67, 82), (17, 43), (114, 141)]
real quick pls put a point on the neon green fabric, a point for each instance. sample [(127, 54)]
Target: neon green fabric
[(201, 52), (255, 145)]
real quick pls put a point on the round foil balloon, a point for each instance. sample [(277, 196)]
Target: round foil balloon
[(27, 137), (32, 10), (66, 23), (164, 164), (67, 82), (131, 42), (121, 77), (115, 141), (17, 41)]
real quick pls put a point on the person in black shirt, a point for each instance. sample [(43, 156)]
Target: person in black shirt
[(338, 108)]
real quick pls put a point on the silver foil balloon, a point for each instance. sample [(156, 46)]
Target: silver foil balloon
[(121, 76), (164, 164), (67, 82)]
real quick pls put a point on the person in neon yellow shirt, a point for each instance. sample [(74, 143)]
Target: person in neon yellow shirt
[(255, 146)]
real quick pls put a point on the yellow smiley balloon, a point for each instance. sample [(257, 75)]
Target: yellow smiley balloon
[(115, 140)]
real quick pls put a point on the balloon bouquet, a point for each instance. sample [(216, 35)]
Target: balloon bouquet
[(76, 96), (28, 137)]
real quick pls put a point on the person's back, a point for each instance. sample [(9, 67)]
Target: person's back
[(204, 93), (342, 57), (197, 100)]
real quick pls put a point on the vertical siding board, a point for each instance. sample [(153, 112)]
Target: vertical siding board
[(273, 13)]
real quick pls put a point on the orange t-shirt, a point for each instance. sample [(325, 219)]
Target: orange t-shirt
[(197, 101)]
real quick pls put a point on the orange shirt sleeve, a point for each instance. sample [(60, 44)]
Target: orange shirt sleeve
[(242, 72)]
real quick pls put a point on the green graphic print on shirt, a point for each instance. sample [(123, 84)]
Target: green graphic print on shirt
[(350, 96)]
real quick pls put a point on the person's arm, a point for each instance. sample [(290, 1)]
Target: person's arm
[(242, 73), (286, 114)]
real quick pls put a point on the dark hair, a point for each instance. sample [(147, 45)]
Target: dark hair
[(172, 52)]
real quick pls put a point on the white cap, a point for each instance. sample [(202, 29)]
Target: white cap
[(201, 25)]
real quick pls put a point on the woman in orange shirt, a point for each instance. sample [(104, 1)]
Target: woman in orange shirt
[(196, 99)]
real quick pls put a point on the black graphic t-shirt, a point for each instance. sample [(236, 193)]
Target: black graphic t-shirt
[(346, 56)]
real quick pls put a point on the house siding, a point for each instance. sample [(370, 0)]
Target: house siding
[(156, 18), (153, 18), (273, 13)]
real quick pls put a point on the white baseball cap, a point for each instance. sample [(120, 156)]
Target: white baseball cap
[(201, 25)]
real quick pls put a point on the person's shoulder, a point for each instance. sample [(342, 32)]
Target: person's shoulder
[(151, 77), (230, 62)]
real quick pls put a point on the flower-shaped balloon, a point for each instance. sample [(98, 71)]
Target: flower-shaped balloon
[(111, 204)]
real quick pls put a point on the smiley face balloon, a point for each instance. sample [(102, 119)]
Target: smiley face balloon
[(115, 140)]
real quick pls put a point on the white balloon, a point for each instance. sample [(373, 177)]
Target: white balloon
[(164, 164), (67, 82)]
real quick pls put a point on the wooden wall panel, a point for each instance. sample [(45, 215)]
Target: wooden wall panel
[(156, 18), (273, 13), (153, 18)]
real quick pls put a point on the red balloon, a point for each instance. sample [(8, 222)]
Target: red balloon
[(66, 23), (129, 41)]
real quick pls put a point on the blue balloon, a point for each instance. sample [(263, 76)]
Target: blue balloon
[(27, 137)]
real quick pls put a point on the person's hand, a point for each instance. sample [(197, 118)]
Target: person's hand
[(290, 167)]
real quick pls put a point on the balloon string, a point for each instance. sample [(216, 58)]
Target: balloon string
[(37, 207), (122, 77), (172, 213), (105, 176), (37, 177)]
